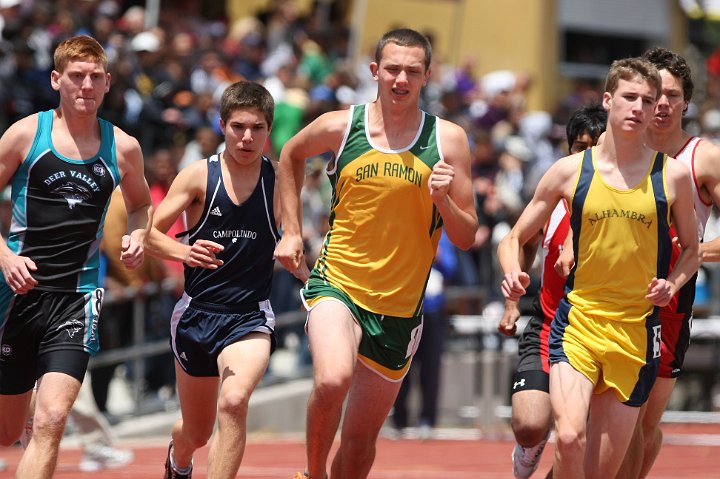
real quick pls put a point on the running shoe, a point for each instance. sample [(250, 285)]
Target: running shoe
[(525, 460)]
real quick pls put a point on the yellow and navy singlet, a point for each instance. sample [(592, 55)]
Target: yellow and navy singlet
[(59, 207), (621, 241), (384, 227)]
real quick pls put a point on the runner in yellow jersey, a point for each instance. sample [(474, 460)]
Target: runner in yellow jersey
[(605, 338), (399, 175)]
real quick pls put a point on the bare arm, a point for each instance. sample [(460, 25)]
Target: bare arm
[(136, 195), (680, 190), (553, 186), (322, 135), (566, 260), (511, 314), (451, 186), (14, 147), (186, 194)]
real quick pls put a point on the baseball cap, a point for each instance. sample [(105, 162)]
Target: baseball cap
[(496, 82), (145, 42)]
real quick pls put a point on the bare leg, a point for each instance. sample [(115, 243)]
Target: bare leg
[(608, 440), (241, 366), (370, 401), (55, 396), (656, 405), (531, 417), (334, 340), (632, 463), (570, 393), (16, 408), (531, 423), (198, 405)]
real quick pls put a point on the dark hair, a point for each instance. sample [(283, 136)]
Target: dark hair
[(247, 94), (664, 59), (590, 119), (404, 37), (630, 68)]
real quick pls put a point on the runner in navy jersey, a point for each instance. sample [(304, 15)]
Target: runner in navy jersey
[(222, 329), (63, 166)]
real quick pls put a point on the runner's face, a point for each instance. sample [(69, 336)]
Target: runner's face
[(671, 104), (631, 107), (82, 85), (401, 73), (246, 132), (581, 143)]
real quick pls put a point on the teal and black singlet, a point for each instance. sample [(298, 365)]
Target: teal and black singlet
[(59, 207)]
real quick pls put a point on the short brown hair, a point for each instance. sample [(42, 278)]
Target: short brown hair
[(631, 68), (80, 47), (404, 37), (247, 94)]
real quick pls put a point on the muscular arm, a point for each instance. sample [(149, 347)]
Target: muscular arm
[(136, 195), (322, 135), (186, 194), (511, 314), (680, 191), (553, 186), (451, 186), (14, 147)]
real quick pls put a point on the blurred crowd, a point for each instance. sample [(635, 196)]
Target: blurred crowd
[(167, 81)]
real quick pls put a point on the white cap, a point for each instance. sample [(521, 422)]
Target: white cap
[(9, 3), (496, 82), (145, 42)]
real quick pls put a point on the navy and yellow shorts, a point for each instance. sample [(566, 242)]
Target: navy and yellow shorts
[(624, 357), (388, 342)]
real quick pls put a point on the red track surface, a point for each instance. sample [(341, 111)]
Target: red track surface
[(689, 451)]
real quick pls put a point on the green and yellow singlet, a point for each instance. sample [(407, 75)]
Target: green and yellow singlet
[(384, 227)]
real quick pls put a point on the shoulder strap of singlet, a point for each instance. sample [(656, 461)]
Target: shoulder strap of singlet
[(212, 186)]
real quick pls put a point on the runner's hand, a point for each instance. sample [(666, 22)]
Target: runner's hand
[(16, 270), (132, 252), (508, 322), (202, 255), (514, 284)]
